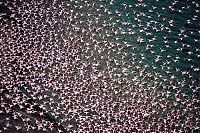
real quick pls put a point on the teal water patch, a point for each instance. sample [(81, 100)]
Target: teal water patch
[(160, 28)]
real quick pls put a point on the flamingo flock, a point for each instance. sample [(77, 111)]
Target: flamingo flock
[(99, 66)]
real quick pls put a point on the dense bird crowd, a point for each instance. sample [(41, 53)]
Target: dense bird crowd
[(99, 66)]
